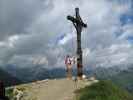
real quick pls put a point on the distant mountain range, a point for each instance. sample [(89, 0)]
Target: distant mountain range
[(29, 74), (8, 79), (119, 75)]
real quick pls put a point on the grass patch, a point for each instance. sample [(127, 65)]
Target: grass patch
[(9, 93), (103, 90)]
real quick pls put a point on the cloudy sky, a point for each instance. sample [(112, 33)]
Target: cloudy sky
[(37, 32)]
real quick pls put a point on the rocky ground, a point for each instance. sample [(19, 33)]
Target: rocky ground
[(56, 89)]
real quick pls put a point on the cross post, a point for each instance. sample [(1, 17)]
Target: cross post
[(79, 25)]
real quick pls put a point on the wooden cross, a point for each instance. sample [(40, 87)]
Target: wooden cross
[(79, 25)]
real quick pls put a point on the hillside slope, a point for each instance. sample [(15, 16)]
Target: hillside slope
[(103, 90), (124, 79)]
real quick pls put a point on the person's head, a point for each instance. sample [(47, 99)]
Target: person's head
[(67, 56)]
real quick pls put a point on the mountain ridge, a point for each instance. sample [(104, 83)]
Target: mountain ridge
[(8, 79)]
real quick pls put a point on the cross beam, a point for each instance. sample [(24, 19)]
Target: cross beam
[(79, 25), (76, 21)]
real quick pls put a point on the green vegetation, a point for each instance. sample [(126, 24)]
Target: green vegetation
[(9, 93), (103, 90), (124, 79)]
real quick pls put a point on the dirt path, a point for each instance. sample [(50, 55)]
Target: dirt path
[(61, 89)]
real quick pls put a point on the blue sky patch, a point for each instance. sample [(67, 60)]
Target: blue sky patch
[(130, 39), (126, 19)]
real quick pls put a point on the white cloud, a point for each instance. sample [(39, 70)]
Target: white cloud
[(100, 44), (39, 60)]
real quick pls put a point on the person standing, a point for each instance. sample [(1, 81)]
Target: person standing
[(68, 62)]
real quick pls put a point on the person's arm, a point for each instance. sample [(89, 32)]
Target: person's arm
[(65, 60), (74, 60)]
